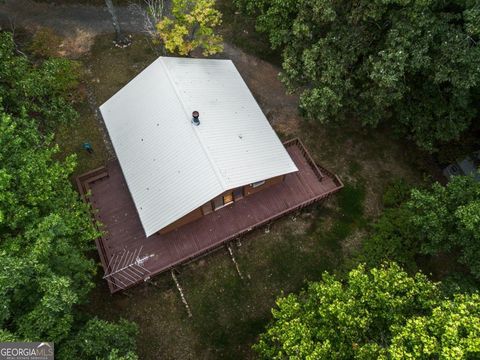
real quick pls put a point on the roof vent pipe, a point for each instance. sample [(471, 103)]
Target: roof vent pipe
[(195, 118)]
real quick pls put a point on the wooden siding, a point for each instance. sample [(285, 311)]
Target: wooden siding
[(249, 190), (191, 216), (208, 207)]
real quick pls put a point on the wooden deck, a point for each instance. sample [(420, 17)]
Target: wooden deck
[(123, 233)]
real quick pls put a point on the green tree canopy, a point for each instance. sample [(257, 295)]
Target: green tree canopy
[(44, 90), (378, 314), (414, 64), (45, 230), (192, 26), (45, 234), (100, 339), (429, 221), (447, 219)]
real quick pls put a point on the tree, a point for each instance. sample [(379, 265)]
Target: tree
[(191, 26), (374, 314), (120, 39), (45, 232), (429, 221), (391, 237), (447, 219), (99, 339), (152, 12), (451, 331), (413, 64), (45, 90)]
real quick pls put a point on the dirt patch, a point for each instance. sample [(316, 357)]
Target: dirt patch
[(78, 44)]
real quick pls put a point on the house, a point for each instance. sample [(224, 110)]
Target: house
[(198, 165), (179, 166)]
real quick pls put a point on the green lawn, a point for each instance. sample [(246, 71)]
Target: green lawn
[(229, 313)]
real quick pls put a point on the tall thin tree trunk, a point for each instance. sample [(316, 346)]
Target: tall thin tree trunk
[(191, 36), (120, 39)]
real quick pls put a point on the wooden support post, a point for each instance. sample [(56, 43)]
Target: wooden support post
[(267, 228), (234, 261), (174, 277)]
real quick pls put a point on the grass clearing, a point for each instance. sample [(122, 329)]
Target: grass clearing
[(229, 313), (70, 137)]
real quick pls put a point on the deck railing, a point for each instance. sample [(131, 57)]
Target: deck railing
[(319, 171), (84, 181)]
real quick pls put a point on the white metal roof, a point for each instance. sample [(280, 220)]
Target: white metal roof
[(172, 166)]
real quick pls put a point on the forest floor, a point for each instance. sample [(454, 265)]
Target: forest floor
[(229, 313)]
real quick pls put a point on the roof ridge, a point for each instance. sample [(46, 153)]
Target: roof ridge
[(197, 135)]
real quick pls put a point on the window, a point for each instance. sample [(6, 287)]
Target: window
[(257, 184), (223, 200), (228, 198), (238, 193), (217, 203)]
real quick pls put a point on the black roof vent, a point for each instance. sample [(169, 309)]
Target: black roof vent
[(195, 118)]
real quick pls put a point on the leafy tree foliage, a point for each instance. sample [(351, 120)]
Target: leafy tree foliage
[(191, 26), (44, 90), (377, 314), (447, 218), (439, 219), (412, 63), (45, 233), (391, 237), (102, 340), (451, 331), (45, 230)]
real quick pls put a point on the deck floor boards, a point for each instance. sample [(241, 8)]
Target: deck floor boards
[(123, 230)]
